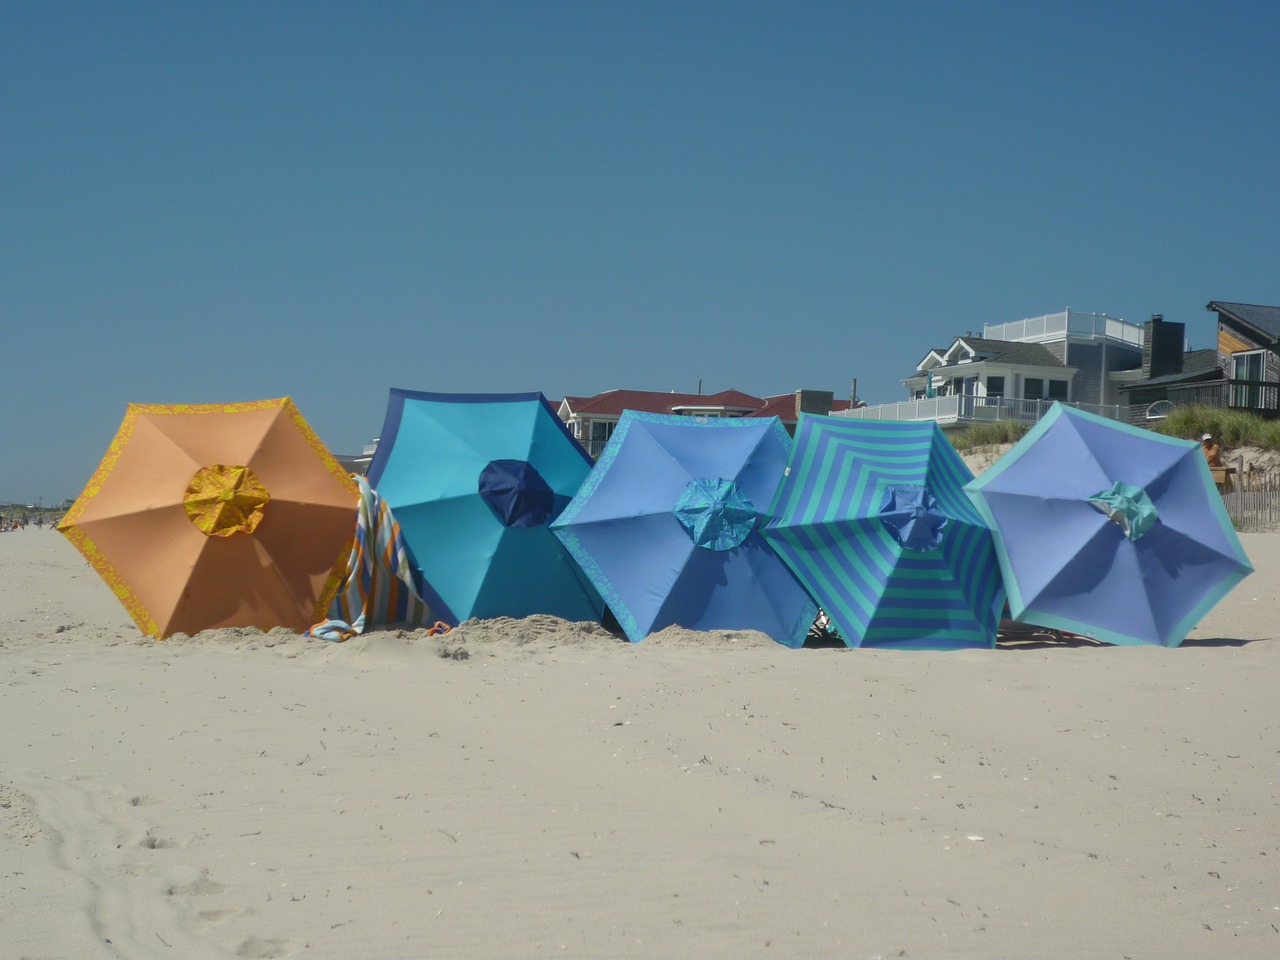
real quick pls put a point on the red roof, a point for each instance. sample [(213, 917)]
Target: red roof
[(784, 407), (611, 403), (729, 399)]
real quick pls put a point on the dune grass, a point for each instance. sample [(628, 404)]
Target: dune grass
[(1232, 428), (987, 435)]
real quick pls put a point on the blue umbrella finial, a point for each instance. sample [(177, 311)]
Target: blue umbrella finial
[(516, 493), (912, 516), (715, 513), (1128, 507)]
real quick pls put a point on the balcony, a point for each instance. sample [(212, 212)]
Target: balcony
[(1058, 326), (963, 411), (1251, 396), (594, 447)]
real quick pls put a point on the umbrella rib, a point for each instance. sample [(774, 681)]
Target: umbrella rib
[(282, 408), (666, 452), (678, 577), (466, 438), (765, 437)]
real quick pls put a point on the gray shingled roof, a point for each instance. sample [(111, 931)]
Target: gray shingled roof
[(1009, 351), (1200, 359), (1196, 365), (1002, 351), (1187, 376), (1266, 319)]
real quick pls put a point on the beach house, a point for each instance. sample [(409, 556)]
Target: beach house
[(1241, 373), (1018, 370), (592, 419), (1166, 366)]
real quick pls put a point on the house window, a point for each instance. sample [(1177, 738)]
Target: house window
[(1057, 390), (1247, 366), (601, 431), (995, 386), (1032, 388)]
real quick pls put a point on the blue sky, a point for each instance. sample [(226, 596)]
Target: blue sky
[(231, 201)]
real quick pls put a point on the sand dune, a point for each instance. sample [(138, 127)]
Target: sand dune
[(536, 788)]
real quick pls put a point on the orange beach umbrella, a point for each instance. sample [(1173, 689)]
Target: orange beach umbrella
[(217, 515)]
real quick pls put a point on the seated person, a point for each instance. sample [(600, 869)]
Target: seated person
[(1212, 452)]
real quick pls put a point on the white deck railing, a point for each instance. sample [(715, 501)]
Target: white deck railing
[(964, 410), (1055, 326)]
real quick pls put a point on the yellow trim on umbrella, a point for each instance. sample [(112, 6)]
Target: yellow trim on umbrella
[(240, 406), (334, 583), (315, 443), (104, 469), (111, 577)]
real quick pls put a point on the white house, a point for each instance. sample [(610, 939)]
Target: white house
[(1016, 371)]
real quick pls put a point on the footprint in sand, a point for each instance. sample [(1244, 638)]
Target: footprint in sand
[(200, 887), (210, 917), (18, 818), (264, 949), (161, 843)]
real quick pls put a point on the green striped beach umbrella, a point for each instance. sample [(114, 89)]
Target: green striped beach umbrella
[(873, 519)]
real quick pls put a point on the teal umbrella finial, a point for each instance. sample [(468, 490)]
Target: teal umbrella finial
[(715, 513), (1128, 507)]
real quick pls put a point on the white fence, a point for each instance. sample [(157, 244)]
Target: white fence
[(1253, 503), (966, 410), (1055, 326)]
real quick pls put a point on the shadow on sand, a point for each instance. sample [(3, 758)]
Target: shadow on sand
[(1013, 635)]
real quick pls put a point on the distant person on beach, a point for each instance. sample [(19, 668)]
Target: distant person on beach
[(1212, 452)]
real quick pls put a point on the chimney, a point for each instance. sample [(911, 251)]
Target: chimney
[(814, 401), (1161, 347)]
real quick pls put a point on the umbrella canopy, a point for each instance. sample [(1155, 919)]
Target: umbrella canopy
[(473, 480), (217, 515), (667, 527), (873, 519), (1108, 530)]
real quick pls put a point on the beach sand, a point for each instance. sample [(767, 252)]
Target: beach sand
[(537, 789)]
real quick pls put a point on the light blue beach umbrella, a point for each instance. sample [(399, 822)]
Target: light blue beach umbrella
[(1108, 530), (474, 481), (668, 527), (873, 519)]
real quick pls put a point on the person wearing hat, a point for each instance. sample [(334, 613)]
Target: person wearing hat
[(1212, 452)]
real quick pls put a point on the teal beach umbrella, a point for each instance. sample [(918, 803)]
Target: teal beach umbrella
[(873, 519), (1108, 530), (474, 481)]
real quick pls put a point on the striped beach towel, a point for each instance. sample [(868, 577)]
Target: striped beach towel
[(379, 584)]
